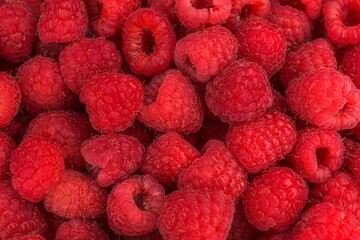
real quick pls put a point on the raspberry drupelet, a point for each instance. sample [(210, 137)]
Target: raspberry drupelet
[(80, 229), (10, 99)]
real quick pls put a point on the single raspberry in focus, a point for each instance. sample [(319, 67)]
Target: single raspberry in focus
[(112, 157), (113, 100), (62, 21), (76, 196), (241, 92), (350, 64), (326, 98), (167, 157), (203, 54), (275, 198), (148, 42), (134, 205), (189, 214), (10, 98), (81, 60), (80, 229), (171, 104)]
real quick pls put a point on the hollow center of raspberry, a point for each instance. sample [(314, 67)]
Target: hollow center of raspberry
[(245, 12), (322, 156), (351, 16), (140, 200), (200, 4), (148, 42)]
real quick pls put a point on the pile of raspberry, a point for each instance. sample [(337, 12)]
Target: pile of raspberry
[(179, 119)]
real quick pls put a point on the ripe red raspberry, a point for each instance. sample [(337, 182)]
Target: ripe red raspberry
[(326, 221), (76, 196), (326, 98), (34, 5), (262, 142), (262, 43), (241, 92), (148, 42), (311, 7), (81, 60), (198, 14), (350, 64), (307, 58), (17, 24), (42, 86), (37, 165), (62, 21), (167, 157), (80, 229), (166, 7), (317, 154), (10, 98), (217, 169), (112, 157), (134, 205), (274, 199), (189, 214), (171, 104), (203, 54), (112, 100), (18, 216), (67, 129), (6, 147)]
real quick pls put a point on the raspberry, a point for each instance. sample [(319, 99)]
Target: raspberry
[(81, 60), (262, 43), (36, 164), (171, 104), (76, 196), (62, 21), (148, 42), (112, 157), (217, 169), (17, 31), (262, 142), (34, 5), (112, 100), (42, 86), (350, 65), (166, 7), (311, 7), (275, 198), (80, 229), (326, 98), (307, 58), (198, 14), (203, 54), (6, 147), (10, 98), (17, 216), (134, 205), (29, 237), (191, 214), (241, 92), (247, 8), (68, 129), (317, 154), (326, 221)]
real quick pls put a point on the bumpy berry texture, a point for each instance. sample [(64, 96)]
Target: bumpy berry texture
[(134, 205), (317, 154), (171, 104), (312, 8), (17, 24), (262, 43), (190, 214), (217, 169), (36, 166), (350, 64), (148, 42), (18, 216), (326, 98), (112, 101), (241, 92), (6, 147), (62, 21), (80, 229), (354, 163), (326, 221), (262, 142), (195, 15), (275, 198), (42, 85), (10, 98), (166, 7), (67, 129), (82, 60), (76, 196), (34, 5), (307, 58), (203, 54), (167, 157), (112, 157)]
